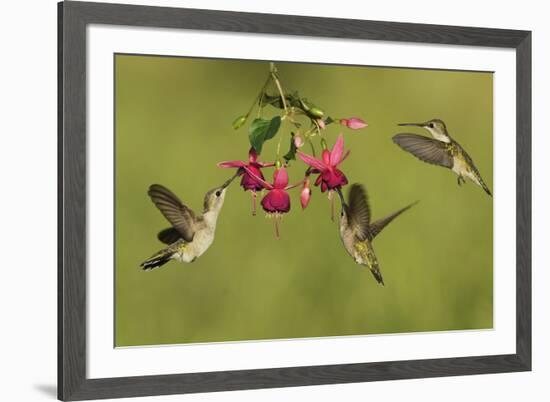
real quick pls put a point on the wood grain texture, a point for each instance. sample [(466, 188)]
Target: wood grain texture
[(294, 376), (523, 201), (73, 19), (229, 21), (72, 176)]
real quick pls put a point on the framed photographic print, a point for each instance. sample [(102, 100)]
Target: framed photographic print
[(391, 160)]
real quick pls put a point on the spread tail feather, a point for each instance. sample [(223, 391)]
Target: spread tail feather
[(157, 260), (377, 275), (484, 186), (371, 262)]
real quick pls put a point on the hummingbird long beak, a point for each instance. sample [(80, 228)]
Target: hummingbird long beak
[(412, 124), (339, 192), (228, 182)]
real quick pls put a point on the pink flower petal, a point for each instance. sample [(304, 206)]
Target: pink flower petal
[(280, 178), (337, 150), (326, 157), (311, 161), (231, 164), (258, 179), (248, 182), (276, 201)]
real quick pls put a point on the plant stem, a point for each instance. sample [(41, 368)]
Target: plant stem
[(277, 235), (260, 95), (317, 128), (279, 148), (259, 114), (273, 72), (312, 147), (254, 203)]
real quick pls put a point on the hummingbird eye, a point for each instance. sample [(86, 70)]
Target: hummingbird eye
[(431, 125), (218, 193)]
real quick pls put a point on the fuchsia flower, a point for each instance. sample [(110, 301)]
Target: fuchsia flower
[(250, 172), (330, 177), (354, 123), (277, 201)]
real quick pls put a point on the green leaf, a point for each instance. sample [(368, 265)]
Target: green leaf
[(262, 130), (256, 133), (291, 154), (273, 127)]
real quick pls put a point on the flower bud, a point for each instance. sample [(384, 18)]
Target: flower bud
[(321, 124), (298, 141), (305, 196), (311, 109), (354, 123), (315, 112), (238, 122)]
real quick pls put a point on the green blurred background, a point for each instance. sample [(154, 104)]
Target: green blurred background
[(173, 124)]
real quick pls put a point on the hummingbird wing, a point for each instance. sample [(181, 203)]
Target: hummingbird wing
[(380, 224), (424, 148), (169, 236), (181, 217), (358, 211)]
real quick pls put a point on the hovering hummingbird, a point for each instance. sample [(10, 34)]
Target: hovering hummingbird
[(441, 150), (190, 234), (356, 230)]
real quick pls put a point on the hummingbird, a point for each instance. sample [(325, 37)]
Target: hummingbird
[(441, 150), (191, 234), (356, 230)]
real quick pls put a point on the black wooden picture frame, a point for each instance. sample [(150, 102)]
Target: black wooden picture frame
[(73, 18)]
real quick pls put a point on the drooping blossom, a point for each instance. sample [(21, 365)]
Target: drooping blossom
[(330, 177), (277, 200), (249, 171), (354, 123), (305, 195)]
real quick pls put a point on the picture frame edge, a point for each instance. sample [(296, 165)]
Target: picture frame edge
[(73, 18), (523, 200)]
